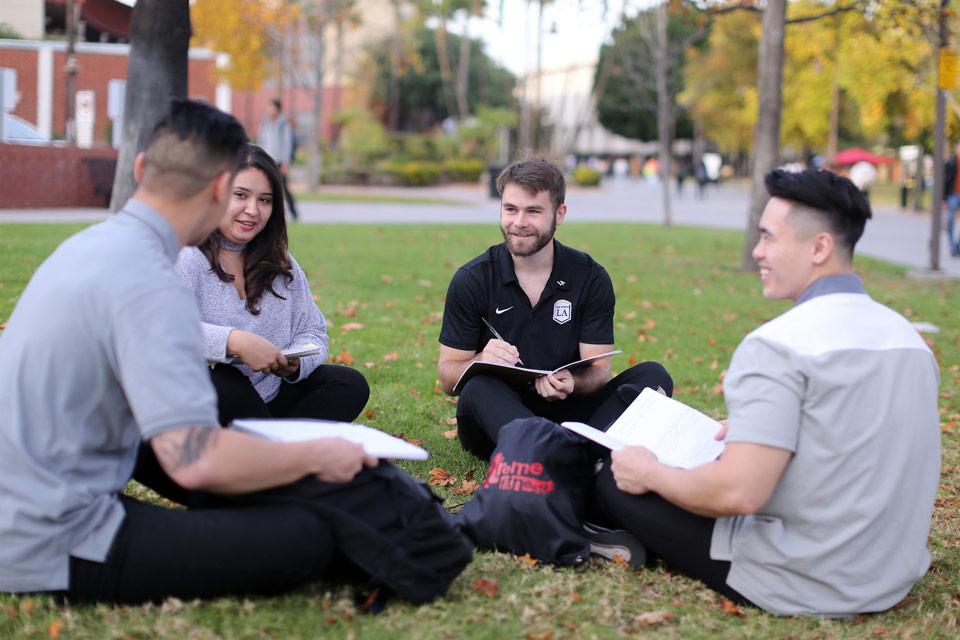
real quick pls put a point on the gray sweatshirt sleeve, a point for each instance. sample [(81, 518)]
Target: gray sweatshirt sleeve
[(192, 267), (309, 325)]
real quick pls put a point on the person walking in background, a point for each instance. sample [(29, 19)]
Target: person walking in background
[(951, 196), (275, 136)]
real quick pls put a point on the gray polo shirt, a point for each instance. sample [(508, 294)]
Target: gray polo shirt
[(103, 350), (850, 388)]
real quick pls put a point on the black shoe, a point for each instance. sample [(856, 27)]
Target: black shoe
[(610, 543)]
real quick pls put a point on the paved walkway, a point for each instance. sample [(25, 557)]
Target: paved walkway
[(902, 238)]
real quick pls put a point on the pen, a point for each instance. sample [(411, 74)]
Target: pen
[(497, 335)]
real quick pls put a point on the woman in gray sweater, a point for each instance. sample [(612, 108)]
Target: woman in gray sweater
[(255, 301)]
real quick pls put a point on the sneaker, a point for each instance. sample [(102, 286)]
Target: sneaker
[(610, 543)]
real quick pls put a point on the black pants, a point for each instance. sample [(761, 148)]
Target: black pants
[(331, 392), (487, 403), (288, 197), (205, 553), (678, 537)]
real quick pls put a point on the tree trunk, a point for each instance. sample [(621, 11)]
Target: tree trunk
[(393, 117), (463, 72), (440, 34), (834, 134), (766, 141), (156, 72), (337, 82), (663, 114), (315, 163)]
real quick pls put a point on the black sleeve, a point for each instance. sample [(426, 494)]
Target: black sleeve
[(462, 327), (597, 309)]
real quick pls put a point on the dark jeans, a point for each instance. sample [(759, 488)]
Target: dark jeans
[(487, 403), (331, 392), (204, 553), (678, 537), (288, 197)]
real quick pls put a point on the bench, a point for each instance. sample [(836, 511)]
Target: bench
[(102, 171)]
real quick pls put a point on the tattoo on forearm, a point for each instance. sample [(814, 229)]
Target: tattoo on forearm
[(176, 454)]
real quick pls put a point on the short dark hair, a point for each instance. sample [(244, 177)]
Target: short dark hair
[(189, 147), (534, 175), (276, 102), (833, 199), (265, 257)]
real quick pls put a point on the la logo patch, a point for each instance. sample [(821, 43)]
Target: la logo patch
[(562, 311)]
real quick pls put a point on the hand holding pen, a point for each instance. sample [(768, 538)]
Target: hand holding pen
[(511, 350)]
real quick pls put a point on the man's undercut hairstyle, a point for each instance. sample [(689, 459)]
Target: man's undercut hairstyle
[(189, 147), (829, 199), (534, 175)]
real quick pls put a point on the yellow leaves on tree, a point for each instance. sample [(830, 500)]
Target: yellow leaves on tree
[(249, 31)]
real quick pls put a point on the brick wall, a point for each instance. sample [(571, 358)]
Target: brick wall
[(42, 176)]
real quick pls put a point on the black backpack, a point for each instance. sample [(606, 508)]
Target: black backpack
[(534, 495), (390, 526)]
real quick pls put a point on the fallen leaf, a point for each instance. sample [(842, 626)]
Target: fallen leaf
[(540, 635), (3, 325), (619, 559), (10, 610), (425, 283), (370, 600), (28, 606), (316, 298), (452, 421), (632, 360), (350, 312), (343, 358), (389, 357), (655, 617), (351, 326), (486, 587), (330, 620), (54, 629), (450, 435), (410, 440), (369, 414), (440, 478), (576, 597), (468, 486), (414, 391), (450, 400), (527, 560), (713, 366), (387, 278), (731, 609), (369, 364), (571, 625)]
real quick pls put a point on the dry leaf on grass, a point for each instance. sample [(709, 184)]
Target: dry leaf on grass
[(450, 420), (390, 357), (655, 617), (352, 326), (488, 588), (731, 609), (350, 312), (343, 358), (540, 635), (369, 414), (54, 629), (468, 486), (527, 560), (440, 478), (450, 435)]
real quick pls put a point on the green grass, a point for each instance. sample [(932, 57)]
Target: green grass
[(376, 199), (681, 301)]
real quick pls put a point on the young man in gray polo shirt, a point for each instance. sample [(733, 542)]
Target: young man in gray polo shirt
[(104, 351), (822, 500)]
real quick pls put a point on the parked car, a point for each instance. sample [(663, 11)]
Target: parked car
[(19, 131)]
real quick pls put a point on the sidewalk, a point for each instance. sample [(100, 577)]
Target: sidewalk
[(901, 238)]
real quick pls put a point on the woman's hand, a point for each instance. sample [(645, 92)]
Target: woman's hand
[(256, 352), (291, 368)]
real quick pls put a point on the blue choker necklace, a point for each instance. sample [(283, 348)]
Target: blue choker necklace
[(231, 246)]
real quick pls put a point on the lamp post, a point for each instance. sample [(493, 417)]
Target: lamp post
[(946, 80), (70, 132)]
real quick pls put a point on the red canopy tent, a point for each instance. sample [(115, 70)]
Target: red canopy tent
[(852, 156)]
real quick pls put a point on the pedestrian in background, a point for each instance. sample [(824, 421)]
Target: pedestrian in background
[(275, 136)]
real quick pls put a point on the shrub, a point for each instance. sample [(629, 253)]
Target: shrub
[(463, 169), (586, 176), (415, 174)]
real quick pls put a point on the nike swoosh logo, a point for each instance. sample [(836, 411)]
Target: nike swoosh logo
[(499, 310)]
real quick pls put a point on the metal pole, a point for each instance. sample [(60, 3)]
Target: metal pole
[(938, 150), (70, 127)]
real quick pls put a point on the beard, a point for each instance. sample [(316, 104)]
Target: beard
[(522, 248)]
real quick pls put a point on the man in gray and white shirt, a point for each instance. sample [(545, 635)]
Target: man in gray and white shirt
[(822, 500)]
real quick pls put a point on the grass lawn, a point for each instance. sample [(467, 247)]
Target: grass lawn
[(681, 301), (310, 196)]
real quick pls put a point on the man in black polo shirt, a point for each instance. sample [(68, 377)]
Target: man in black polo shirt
[(552, 305)]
